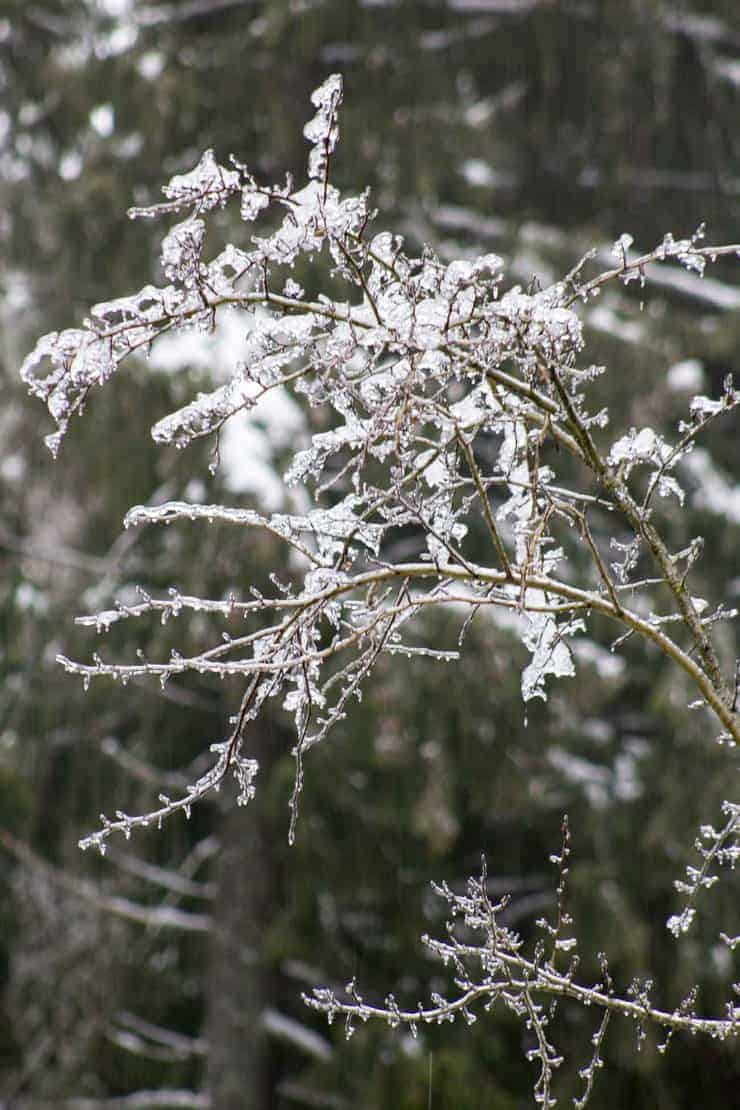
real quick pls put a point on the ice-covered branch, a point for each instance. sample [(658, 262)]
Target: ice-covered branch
[(495, 970), (457, 458)]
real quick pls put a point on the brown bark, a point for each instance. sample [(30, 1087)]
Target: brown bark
[(238, 1070)]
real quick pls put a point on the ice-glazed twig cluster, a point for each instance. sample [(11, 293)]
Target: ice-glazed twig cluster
[(491, 968), (462, 462)]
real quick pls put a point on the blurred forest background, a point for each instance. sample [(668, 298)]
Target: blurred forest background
[(174, 966)]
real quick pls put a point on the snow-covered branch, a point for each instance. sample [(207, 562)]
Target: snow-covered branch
[(455, 418), (495, 970)]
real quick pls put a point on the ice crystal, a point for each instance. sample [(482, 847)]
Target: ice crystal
[(451, 452)]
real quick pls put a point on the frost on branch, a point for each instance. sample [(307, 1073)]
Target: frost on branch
[(323, 130), (455, 401), (461, 460), (717, 848), (492, 968), (205, 187)]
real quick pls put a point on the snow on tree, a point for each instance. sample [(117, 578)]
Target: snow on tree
[(460, 421)]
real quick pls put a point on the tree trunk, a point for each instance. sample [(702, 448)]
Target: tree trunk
[(238, 1071)]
